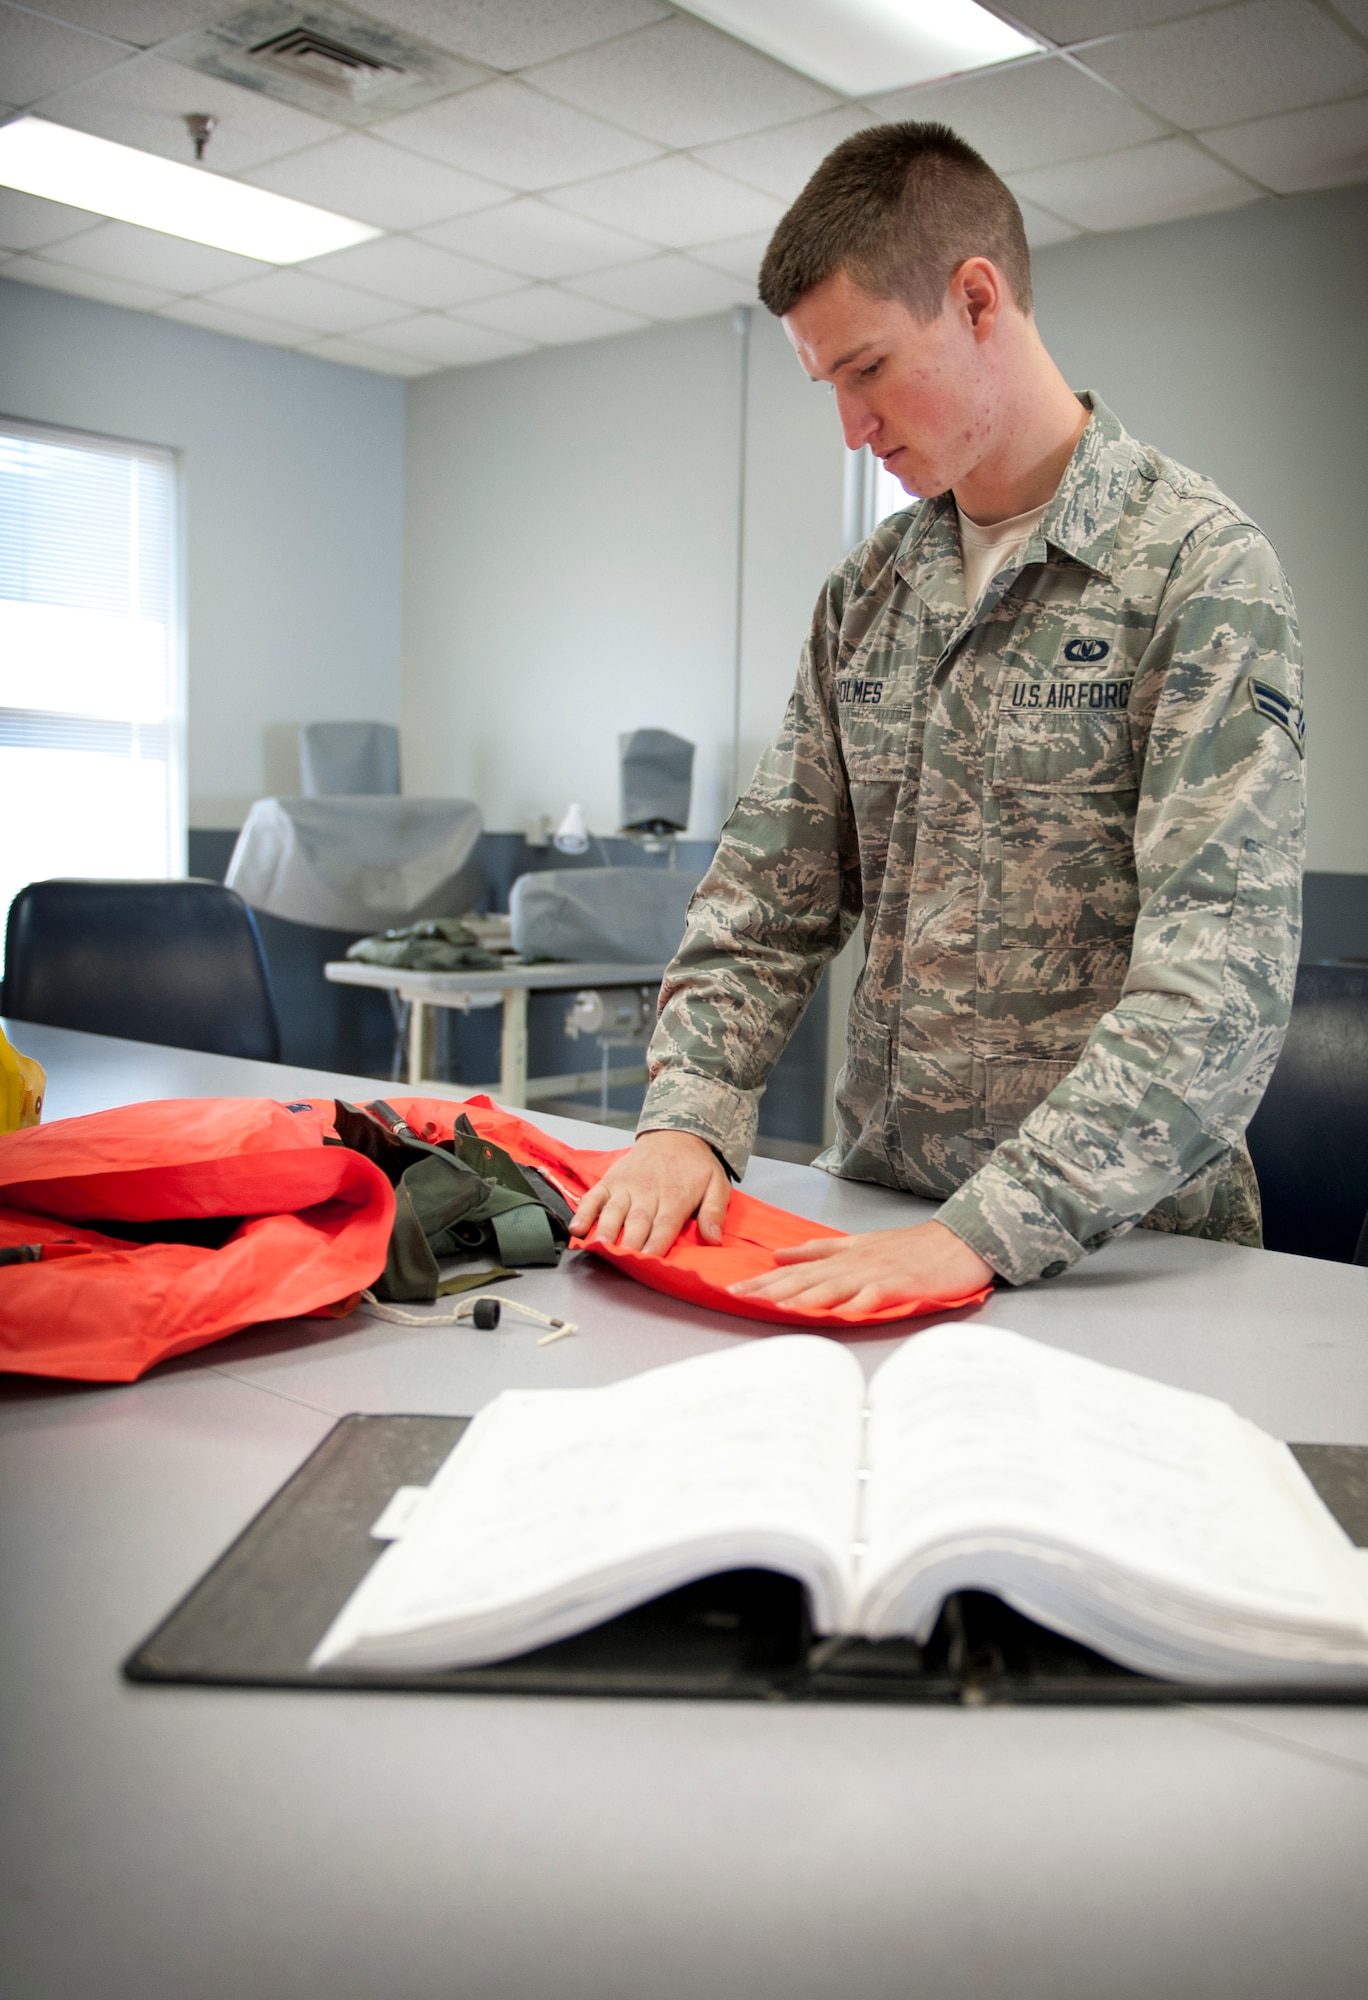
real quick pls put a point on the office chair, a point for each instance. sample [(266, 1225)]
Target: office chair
[(173, 962), (1309, 1137), (338, 758)]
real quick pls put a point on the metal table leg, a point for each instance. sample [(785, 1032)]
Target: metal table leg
[(513, 1048), (420, 1022)]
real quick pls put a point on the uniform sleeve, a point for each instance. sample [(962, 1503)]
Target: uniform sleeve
[(781, 898), (1172, 1074)]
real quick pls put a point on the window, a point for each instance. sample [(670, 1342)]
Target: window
[(890, 496), (871, 495), (91, 681)]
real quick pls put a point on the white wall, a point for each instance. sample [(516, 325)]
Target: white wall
[(571, 514), (569, 539), (571, 562), (1236, 344), (294, 507)]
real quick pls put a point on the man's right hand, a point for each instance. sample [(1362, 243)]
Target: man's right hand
[(645, 1198)]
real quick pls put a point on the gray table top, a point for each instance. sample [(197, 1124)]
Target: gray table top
[(541, 975), (169, 1842)]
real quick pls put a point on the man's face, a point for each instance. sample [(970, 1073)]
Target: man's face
[(917, 393)]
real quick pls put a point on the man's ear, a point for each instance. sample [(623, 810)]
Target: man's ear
[(977, 295)]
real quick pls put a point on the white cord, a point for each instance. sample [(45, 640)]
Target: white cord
[(463, 1310)]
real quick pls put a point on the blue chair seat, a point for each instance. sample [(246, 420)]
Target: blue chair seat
[(172, 962), (1309, 1137)]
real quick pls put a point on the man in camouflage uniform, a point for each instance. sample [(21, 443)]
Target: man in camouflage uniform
[(1070, 811)]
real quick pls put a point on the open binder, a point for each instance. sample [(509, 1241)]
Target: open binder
[(254, 1619)]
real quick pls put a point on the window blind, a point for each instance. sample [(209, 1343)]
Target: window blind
[(91, 685)]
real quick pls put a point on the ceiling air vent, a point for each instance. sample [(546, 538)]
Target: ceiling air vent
[(301, 52), (319, 61), (324, 57)]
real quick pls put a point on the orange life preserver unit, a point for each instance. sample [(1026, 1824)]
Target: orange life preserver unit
[(136, 1234), (692, 1269)]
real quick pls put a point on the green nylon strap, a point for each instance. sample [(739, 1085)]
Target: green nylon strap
[(524, 1236), (410, 1267), (467, 1201), (471, 1281)]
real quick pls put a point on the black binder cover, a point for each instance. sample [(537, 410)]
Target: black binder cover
[(262, 1608)]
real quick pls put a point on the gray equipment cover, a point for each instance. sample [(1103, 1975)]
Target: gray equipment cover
[(657, 779), (620, 916), (339, 759), (359, 864)]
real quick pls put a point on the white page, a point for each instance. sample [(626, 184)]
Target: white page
[(560, 1502), (982, 1440)]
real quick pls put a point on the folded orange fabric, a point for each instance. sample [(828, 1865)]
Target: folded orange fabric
[(694, 1270), (304, 1226)]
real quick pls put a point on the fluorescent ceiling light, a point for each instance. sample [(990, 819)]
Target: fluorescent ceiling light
[(85, 172), (863, 47)]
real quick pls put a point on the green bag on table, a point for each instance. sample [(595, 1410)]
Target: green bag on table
[(463, 1198), (442, 944)]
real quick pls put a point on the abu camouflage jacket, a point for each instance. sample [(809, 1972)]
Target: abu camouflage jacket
[(1072, 819)]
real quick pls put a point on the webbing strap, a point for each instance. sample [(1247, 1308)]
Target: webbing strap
[(472, 1281), (524, 1236)]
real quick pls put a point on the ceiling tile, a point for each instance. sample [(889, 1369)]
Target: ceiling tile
[(141, 22), (303, 300), (216, 318), (683, 84), (361, 176), (1125, 190), (414, 73), (148, 257), (1238, 63), (738, 256), (86, 284), (515, 135), (548, 315), (416, 274), (1042, 228), (355, 354), (673, 202), (1029, 114), (1300, 150), (26, 223), (782, 161), (1077, 20), (38, 56), (535, 240), (445, 343), (510, 36), (144, 102), (668, 287)]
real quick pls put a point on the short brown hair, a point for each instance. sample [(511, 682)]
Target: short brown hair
[(899, 208)]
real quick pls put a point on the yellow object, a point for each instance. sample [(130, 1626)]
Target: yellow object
[(22, 1085)]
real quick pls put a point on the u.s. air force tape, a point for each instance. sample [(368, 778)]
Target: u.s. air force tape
[(1280, 708)]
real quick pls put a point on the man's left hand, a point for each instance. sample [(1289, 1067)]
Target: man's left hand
[(885, 1267)]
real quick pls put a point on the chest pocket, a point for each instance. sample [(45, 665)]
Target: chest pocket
[(1065, 788), (1079, 748), (874, 746), (874, 743)]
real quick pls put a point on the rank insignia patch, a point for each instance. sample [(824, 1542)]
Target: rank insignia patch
[(1279, 708)]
